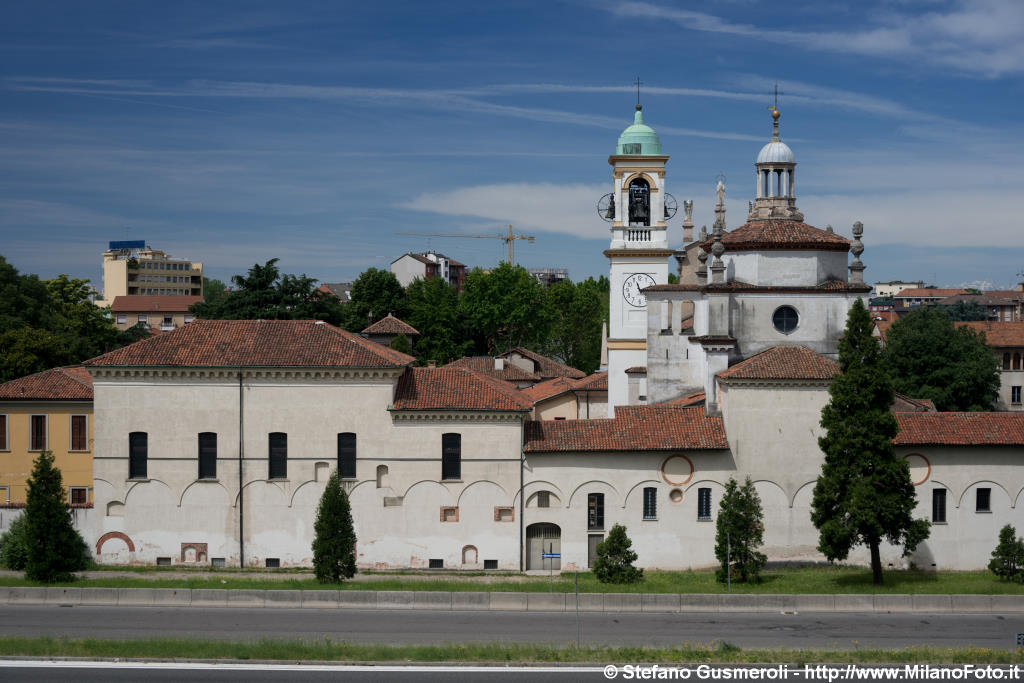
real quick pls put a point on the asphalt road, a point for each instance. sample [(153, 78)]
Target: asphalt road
[(746, 630)]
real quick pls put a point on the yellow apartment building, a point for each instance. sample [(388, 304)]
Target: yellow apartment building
[(50, 410)]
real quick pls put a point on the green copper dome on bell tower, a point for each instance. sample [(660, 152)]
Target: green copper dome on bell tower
[(638, 139)]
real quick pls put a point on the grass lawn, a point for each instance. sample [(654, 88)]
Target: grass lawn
[(822, 580), (327, 650)]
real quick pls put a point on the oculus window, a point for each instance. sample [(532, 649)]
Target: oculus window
[(785, 319)]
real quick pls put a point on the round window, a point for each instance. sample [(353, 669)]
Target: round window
[(785, 319)]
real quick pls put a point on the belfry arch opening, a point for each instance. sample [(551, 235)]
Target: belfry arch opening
[(639, 202)]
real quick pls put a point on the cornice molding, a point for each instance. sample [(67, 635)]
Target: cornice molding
[(227, 373), (456, 416)]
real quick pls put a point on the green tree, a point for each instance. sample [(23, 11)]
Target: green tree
[(334, 545), (433, 309), (966, 310), (263, 293), (575, 337), (213, 290), (505, 308), (615, 559), (401, 344), (1008, 558), (928, 356), (55, 549), (739, 532), (14, 546), (375, 294), (864, 494)]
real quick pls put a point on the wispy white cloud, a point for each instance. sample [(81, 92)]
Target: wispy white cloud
[(979, 37)]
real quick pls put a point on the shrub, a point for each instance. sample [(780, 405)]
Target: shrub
[(739, 532), (13, 546), (1008, 558), (334, 546), (615, 559), (55, 549)]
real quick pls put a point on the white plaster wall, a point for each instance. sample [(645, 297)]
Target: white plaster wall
[(801, 268), (821, 321), (406, 269), (1007, 380), (620, 360)]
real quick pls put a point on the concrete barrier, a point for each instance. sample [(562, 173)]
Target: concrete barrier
[(660, 602), (545, 602), (465, 601), (518, 602)]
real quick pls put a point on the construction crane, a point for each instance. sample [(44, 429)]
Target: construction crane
[(509, 239)]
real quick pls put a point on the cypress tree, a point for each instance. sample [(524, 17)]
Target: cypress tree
[(334, 546), (55, 549), (739, 532), (864, 494)]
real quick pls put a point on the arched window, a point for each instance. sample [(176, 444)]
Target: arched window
[(278, 461), (347, 455), (207, 455), (639, 202), (451, 456), (138, 454)]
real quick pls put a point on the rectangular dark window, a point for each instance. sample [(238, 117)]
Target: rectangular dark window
[(1015, 395), (79, 495), (650, 502), (273, 563), (38, 436), (595, 511), (3, 433), (435, 564), (347, 455), (543, 499), (704, 504), (983, 503), (138, 454), (79, 433), (451, 456), (207, 455), (939, 506), (278, 467), (490, 564)]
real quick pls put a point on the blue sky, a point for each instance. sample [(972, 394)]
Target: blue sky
[(232, 133)]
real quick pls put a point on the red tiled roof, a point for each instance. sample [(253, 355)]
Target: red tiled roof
[(595, 382), (637, 370), (256, 343), (455, 388), (828, 286), (137, 303), (960, 429), (784, 362), (905, 404), (548, 389), (999, 333), (775, 234), (672, 288), (390, 325), (546, 367), (485, 365), (634, 428), (71, 383), (688, 400), (1014, 294), (927, 292)]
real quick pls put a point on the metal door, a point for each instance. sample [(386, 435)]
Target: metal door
[(543, 538)]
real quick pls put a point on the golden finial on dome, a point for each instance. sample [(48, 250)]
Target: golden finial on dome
[(775, 113)]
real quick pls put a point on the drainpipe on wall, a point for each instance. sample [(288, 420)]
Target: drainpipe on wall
[(241, 454), (522, 493)]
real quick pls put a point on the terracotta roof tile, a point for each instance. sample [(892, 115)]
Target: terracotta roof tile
[(390, 325), (149, 304), (485, 365), (960, 429), (999, 334), (637, 370), (454, 388), (634, 428), (828, 286), (693, 399), (784, 362), (595, 382), (546, 367), (927, 292), (905, 404), (548, 389), (256, 343), (984, 299), (72, 383), (775, 234)]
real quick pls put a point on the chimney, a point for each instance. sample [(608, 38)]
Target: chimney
[(431, 363), (499, 364)]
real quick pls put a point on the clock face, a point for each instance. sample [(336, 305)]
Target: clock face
[(632, 286)]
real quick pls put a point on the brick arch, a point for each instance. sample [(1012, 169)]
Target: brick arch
[(114, 534)]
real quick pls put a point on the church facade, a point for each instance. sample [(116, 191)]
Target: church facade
[(213, 443)]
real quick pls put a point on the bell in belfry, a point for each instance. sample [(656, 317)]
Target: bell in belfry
[(610, 214)]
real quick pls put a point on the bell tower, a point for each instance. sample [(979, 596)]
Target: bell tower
[(637, 207)]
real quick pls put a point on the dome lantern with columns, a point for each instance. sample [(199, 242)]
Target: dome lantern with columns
[(776, 180)]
